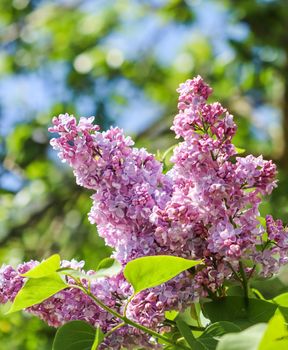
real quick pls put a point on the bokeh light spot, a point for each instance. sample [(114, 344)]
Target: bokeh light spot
[(115, 58), (83, 63)]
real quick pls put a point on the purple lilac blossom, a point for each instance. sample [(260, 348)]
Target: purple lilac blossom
[(206, 207), (128, 182)]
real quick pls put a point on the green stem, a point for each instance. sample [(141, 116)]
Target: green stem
[(112, 330), (234, 273), (127, 303), (127, 320), (244, 283), (166, 152), (251, 272)]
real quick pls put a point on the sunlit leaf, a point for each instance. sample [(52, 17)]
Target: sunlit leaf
[(107, 268), (282, 302), (262, 221), (45, 268), (281, 299), (276, 334), (151, 271), (171, 314), (240, 150), (36, 290)]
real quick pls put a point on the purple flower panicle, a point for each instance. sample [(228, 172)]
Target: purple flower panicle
[(206, 207)]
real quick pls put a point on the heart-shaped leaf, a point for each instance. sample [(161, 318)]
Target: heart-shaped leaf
[(77, 335), (36, 290), (151, 271), (105, 263), (239, 150), (45, 268)]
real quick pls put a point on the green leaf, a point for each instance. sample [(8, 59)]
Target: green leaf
[(189, 317), (194, 313), (171, 314), (209, 339), (36, 290), (233, 309), (151, 271), (169, 150), (260, 310), (75, 335), (245, 340), (276, 335), (45, 268), (281, 300), (235, 291), (107, 268), (219, 328), (76, 274), (165, 159), (186, 332), (173, 334), (99, 337), (105, 263), (226, 309), (262, 221), (240, 150), (257, 294)]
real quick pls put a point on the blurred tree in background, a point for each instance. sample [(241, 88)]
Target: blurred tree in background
[(262, 60), (122, 61)]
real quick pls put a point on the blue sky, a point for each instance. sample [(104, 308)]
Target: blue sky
[(24, 96)]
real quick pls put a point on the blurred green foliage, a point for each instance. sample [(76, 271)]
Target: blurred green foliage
[(44, 211)]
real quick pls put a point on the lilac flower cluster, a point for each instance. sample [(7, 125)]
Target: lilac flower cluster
[(206, 207), (128, 183)]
